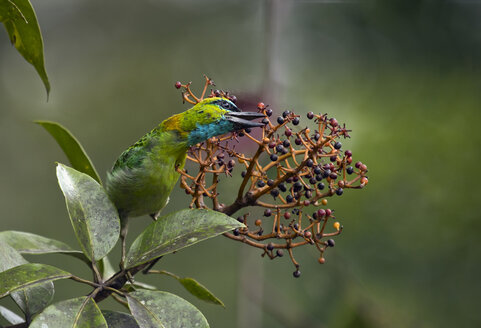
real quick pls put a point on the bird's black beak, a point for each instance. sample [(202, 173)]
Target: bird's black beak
[(242, 120)]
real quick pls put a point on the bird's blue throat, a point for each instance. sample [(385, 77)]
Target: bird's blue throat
[(204, 132)]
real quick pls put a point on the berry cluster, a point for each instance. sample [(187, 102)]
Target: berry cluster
[(293, 170)]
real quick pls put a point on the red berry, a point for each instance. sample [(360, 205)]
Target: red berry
[(328, 212), (178, 85), (348, 153), (333, 122), (287, 215), (321, 213), (358, 165), (261, 105)]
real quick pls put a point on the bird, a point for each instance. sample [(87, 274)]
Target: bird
[(144, 175)]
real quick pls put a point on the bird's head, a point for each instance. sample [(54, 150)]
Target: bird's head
[(211, 117)]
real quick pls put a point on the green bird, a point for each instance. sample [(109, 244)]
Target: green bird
[(144, 175)]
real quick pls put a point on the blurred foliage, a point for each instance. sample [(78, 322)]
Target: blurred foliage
[(20, 21), (404, 75)]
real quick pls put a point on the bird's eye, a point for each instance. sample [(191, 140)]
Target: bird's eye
[(225, 105)]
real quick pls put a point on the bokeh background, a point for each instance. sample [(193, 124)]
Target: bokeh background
[(404, 75)]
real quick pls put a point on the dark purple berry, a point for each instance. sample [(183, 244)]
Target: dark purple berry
[(331, 243), (289, 180), (297, 186), (284, 151), (231, 163), (275, 193), (318, 177), (338, 145), (333, 176), (295, 178), (269, 112), (310, 115), (320, 186), (358, 165), (317, 136), (296, 226), (350, 170), (298, 141), (265, 121), (240, 219), (289, 198), (247, 130), (295, 121), (236, 232), (273, 157), (296, 274), (339, 191), (286, 113), (270, 246), (243, 174), (282, 187), (288, 132), (270, 182), (272, 144), (333, 122), (312, 181), (326, 173), (261, 183), (280, 253), (348, 153), (279, 148), (286, 143), (333, 158), (280, 120), (317, 170), (233, 99), (309, 163), (267, 212)]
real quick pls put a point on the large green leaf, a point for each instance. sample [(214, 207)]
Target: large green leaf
[(31, 299), (156, 309), (29, 243), (81, 312), (72, 148), (24, 33), (10, 316), (176, 231), (29, 274), (119, 320), (94, 217)]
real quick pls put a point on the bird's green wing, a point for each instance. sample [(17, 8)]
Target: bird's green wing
[(135, 154)]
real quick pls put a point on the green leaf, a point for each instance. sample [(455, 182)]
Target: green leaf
[(119, 320), (156, 309), (73, 313), (106, 269), (31, 299), (72, 148), (9, 10), (193, 287), (29, 243), (25, 35), (94, 217), (29, 274), (10, 316), (176, 231), (199, 291)]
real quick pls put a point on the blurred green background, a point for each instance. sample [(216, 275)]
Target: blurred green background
[(404, 75)]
